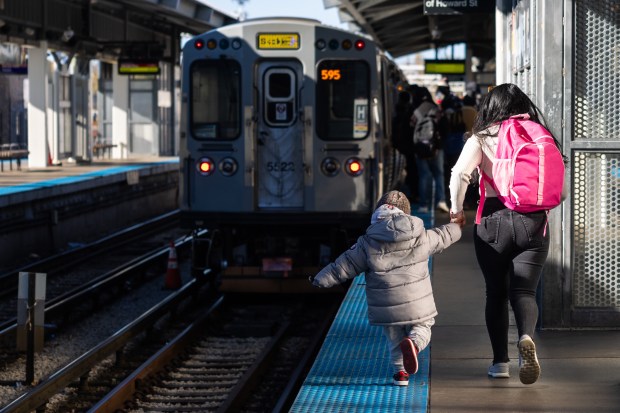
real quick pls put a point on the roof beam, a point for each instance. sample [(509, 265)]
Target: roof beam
[(382, 13), (194, 10), (348, 7), (365, 5)]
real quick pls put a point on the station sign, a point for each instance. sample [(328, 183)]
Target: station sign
[(444, 67), (459, 6), (277, 41), (138, 67)]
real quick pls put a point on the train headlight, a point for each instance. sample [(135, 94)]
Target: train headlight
[(205, 166), (228, 166), (320, 44), (211, 44), (333, 44), (224, 43), (199, 44), (236, 44), (360, 44), (330, 166), (354, 167), (347, 44)]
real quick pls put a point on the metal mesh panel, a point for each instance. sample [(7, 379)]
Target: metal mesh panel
[(523, 80), (597, 69), (596, 228), (524, 46)]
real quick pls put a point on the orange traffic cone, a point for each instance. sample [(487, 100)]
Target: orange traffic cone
[(173, 278)]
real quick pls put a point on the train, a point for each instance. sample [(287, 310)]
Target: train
[(285, 145)]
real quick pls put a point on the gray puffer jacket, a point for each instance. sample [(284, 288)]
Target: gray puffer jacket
[(394, 255)]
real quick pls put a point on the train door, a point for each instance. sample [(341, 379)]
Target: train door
[(280, 176)]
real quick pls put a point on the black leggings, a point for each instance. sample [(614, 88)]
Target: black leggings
[(511, 251)]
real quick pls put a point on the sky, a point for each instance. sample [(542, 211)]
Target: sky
[(284, 8)]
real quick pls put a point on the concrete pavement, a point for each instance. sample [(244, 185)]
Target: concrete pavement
[(580, 369)]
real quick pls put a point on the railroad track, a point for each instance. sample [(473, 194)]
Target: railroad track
[(193, 357), (251, 358), (114, 343), (67, 316), (77, 267)]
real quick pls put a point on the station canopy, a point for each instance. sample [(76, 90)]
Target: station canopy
[(403, 27), (92, 27)]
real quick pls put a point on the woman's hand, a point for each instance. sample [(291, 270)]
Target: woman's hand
[(458, 218)]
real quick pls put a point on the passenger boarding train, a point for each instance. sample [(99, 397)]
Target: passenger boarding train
[(285, 137)]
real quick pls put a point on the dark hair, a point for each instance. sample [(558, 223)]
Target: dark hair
[(419, 94), (425, 94), (502, 102), (404, 96)]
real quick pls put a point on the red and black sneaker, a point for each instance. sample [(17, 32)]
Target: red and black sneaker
[(401, 378), (410, 355)]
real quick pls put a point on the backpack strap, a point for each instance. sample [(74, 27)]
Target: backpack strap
[(523, 116), (483, 176)]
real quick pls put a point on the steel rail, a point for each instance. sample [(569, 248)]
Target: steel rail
[(244, 387), (56, 382), (68, 301), (294, 383), (8, 280), (114, 400)]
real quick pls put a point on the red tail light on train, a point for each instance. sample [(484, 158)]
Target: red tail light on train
[(205, 166), (354, 167)]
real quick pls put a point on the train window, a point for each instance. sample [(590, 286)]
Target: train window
[(215, 99), (343, 95), (279, 98), (280, 85)]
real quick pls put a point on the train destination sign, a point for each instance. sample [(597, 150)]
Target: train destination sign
[(278, 41)]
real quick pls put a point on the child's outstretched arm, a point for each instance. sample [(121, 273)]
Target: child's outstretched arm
[(442, 237), (348, 265)]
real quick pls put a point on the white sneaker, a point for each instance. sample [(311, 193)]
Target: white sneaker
[(499, 370), (529, 369), (443, 206)]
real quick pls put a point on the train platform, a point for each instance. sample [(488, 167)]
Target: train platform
[(47, 210), (26, 179), (580, 369)]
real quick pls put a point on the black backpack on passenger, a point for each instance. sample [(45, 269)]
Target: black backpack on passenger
[(426, 135)]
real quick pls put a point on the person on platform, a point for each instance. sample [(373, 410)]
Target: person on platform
[(511, 247), (394, 254)]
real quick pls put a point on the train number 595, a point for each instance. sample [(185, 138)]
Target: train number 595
[(280, 166)]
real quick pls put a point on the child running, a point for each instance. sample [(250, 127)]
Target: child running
[(393, 254)]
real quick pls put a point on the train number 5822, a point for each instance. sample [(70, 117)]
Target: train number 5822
[(280, 166)]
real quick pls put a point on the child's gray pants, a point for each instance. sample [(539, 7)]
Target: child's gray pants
[(420, 334)]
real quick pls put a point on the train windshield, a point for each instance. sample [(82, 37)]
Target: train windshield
[(343, 90), (215, 99)]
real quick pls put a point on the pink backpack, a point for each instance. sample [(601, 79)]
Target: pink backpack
[(528, 173)]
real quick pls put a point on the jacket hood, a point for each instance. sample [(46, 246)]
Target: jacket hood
[(390, 224)]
